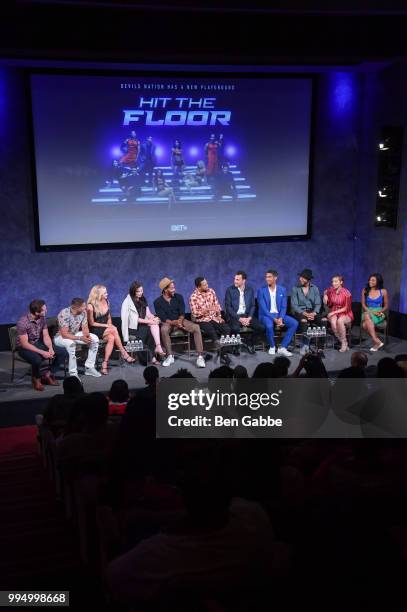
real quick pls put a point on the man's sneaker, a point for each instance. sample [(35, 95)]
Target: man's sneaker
[(272, 350), (283, 351), (304, 349), (92, 372), (200, 362), (168, 361)]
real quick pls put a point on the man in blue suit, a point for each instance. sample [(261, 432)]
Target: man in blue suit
[(239, 309), (272, 300)]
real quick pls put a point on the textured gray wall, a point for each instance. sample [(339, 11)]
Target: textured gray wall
[(381, 249), (56, 277)]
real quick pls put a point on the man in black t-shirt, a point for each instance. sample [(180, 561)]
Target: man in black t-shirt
[(170, 309)]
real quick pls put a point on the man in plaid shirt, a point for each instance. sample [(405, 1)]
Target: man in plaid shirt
[(206, 311)]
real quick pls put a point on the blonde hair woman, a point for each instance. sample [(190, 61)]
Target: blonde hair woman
[(100, 324)]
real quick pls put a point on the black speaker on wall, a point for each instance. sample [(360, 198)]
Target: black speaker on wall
[(388, 179)]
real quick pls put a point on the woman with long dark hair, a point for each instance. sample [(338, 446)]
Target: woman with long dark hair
[(138, 320), (375, 304)]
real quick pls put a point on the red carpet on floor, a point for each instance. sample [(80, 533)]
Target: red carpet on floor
[(38, 548), (18, 440)]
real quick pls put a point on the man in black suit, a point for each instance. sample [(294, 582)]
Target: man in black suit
[(239, 308)]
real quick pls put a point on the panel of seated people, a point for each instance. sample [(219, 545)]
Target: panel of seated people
[(269, 313)]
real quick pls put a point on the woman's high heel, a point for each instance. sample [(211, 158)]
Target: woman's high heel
[(160, 354), (104, 370), (128, 358)]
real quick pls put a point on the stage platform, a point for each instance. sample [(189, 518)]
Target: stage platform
[(19, 403)]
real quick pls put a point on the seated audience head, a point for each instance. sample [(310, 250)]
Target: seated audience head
[(38, 308), (359, 359), (352, 372), (72, 386), (265, 370), (282, 365), (221, 372), (388, 368), (119, 391), (151, 375), (314, 367), (401, 361), (95, 410), (182, 373), (240, 372), (78, 305)]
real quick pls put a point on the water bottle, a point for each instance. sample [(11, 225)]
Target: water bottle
[(324, 331), (308, 332), (233, 339), (238, 339), (222, 339)]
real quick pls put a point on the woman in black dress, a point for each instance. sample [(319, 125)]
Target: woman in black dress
[(100, 323)]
